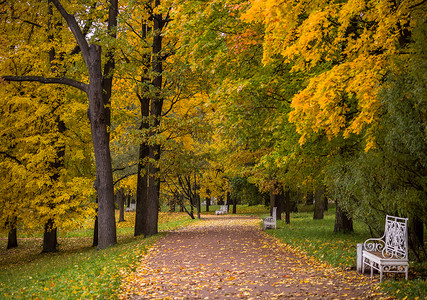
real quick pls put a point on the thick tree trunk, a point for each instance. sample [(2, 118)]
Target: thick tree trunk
[(151, 208), (279, 203), (343, 222), (319, 204), (50, 237), (144, 151), (416, 238), (101, 144), (208, 203), (12, 239)]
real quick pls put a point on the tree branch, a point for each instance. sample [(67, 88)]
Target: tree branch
[(11, 157), (75, 28), (418, 4), (124, 177), (62, 80)]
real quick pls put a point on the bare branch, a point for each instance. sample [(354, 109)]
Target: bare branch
[(62, 80)]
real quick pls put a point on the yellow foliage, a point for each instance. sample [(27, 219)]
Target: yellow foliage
[(345, 47)]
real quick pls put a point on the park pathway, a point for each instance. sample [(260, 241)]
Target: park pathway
[(229, 257)]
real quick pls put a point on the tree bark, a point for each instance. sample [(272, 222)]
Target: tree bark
[(99, 120), (121, 204), (416, 238), (208, 203), (279, 202), (319, 204), (199, 206), (343, 222), (101, 144), (151, 207), (144, 151), (287, 198), (50, 237), (12, 238)]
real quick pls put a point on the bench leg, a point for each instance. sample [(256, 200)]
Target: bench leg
[(381, 273), (406, 272), (363, 266)]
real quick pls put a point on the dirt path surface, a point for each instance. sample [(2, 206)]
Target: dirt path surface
[(229, 257)]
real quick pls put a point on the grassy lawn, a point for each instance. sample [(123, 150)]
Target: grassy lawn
[(316, 238), (77, 271)]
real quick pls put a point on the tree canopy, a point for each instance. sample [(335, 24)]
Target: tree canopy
[(204, 99)]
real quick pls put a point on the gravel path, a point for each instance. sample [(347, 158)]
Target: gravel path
[(229, 257)]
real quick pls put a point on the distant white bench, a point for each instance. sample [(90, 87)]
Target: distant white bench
[(390, 252), (223, 209), (270, 222), (132, 207)]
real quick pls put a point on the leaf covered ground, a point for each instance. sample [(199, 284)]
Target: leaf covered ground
[(230, 257)]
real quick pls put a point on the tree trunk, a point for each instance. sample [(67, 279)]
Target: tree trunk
[(343, 222), (208, 203), (416, 238), (144, 151), (50, 237), (12, 238), (98, 115), (319, 204), (272, 200), (309, 199), (279, 202), (101, 145), (121, 204), (199, 206), (151, 211), (287, 201)]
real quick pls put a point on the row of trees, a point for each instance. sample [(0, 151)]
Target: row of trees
[(194, 99)]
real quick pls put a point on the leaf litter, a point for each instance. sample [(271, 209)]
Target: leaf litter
[(229, 257)]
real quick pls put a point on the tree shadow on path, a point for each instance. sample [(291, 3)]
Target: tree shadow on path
[(229, 257)]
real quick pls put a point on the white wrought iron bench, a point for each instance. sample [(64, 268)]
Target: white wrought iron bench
[(223, 209), (270, 222), (388, 254)]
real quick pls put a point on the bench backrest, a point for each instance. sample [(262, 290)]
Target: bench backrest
[(396, 237), (224, 208), (273, 214)]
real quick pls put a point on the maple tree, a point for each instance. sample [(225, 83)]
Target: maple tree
[(97, 83)]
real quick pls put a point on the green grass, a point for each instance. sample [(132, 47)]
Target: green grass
[(77, 271), (316, 238)]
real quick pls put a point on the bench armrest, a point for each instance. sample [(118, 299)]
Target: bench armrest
[(376, 245), (269, 219)]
